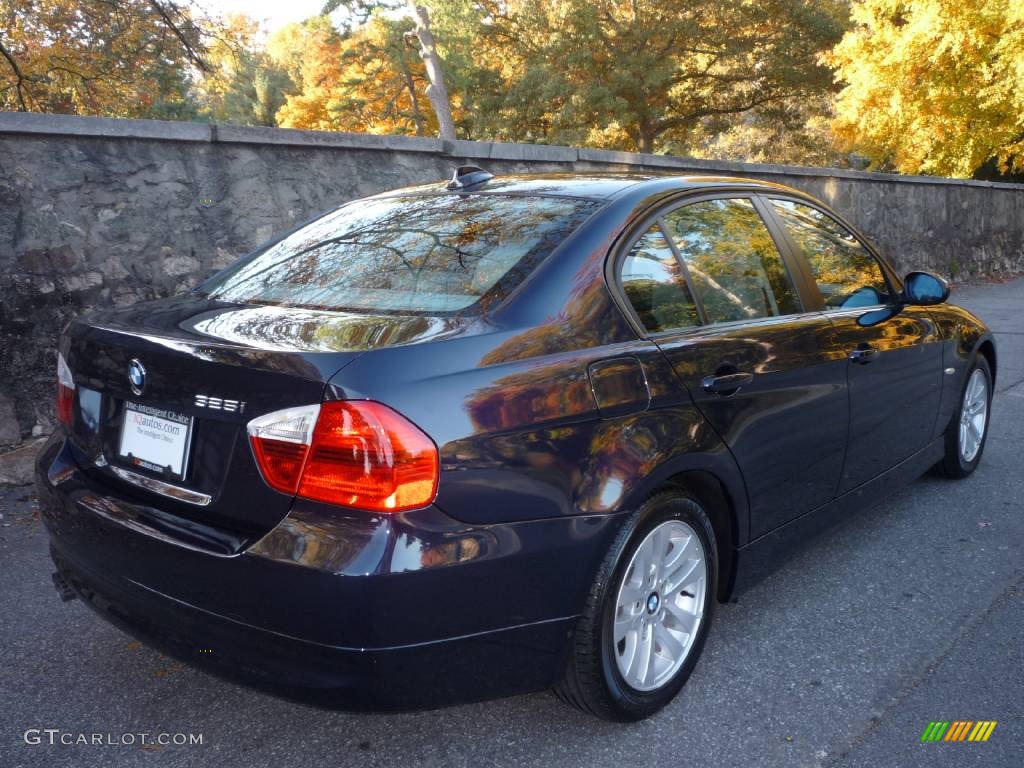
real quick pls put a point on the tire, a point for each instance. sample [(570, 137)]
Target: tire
[(959, 461), (594, 681)]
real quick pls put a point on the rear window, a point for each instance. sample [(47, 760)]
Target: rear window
[(418, 254)]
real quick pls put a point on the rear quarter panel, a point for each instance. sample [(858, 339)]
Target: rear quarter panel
[(512, 408), (524, 439)]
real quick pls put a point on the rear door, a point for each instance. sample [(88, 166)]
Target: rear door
[(711, 287), (893, 353)]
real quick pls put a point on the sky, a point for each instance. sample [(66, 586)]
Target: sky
[(273, 13)]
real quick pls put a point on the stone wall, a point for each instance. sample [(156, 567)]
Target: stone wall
[(96, 212)]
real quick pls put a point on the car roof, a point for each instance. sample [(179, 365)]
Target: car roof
[(599, 186)]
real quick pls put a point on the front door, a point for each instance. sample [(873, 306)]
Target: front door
[(710, 286), (893, 354)]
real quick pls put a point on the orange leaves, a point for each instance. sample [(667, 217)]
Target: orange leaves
[(94, 57), (370, 80)]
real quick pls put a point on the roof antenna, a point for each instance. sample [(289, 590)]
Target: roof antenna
[(467, 176)]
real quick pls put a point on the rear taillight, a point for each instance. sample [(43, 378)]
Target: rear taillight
[(355, 453), (65, 392), (281, 441)]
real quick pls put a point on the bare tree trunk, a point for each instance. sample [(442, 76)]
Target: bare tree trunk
[(437, 92), (646, 142), (410, 85)]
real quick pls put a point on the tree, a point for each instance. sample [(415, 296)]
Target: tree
[(128, 59), (730, 78), (796, 131), (437, 89), (639, 75), (243, 85), (366, 80), (309, 53), (933, 86)]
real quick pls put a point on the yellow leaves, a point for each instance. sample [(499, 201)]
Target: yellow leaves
[(932, 86), (610, 136), (368, 81), (310, 53)]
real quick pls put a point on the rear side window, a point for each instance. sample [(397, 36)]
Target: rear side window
[(847, 275), (654, 283), (735, 268), (414, 254)]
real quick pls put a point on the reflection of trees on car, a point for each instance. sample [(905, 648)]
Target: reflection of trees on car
[(653, 280), (846, 274), (732, 259), (422, 254)]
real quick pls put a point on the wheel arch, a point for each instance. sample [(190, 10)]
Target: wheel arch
[(987, 349), (713, 495), (717, 483)]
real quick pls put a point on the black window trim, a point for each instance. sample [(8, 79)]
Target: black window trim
[(644, 222), (684, 268), (892, 281)]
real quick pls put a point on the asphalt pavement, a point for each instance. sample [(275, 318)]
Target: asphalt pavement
[(912, 611)]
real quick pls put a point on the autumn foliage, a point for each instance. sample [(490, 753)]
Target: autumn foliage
[(121, 59), (916, 86), (933, 86)]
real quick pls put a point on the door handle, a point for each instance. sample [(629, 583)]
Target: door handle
[(863, 354), (728, 384)]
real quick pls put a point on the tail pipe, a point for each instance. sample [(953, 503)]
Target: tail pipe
[(63, 588)]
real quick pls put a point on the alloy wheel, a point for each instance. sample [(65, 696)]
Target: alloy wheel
[(660, 605), (973, 415)]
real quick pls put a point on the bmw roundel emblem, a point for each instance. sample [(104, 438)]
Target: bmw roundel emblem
[(652, 603), (136, 376)]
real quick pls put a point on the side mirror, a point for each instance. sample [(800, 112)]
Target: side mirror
[(925, 288)]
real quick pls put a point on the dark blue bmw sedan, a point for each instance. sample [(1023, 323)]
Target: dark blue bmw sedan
[(497, 435)]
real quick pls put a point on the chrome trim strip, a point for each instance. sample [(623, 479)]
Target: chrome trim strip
[(162, 488)]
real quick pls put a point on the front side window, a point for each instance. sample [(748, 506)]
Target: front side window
[(654, 283), (736, 270), (847, 275), (416, 254)]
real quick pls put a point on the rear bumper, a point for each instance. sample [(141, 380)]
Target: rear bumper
[(339, 609), (433, 674)]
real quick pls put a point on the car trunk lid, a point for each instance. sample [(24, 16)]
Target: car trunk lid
[(208, 369)]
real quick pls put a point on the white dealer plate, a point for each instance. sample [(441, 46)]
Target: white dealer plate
[(155, 439)]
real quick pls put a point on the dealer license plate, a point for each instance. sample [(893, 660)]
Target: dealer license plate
[(156, 439)]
